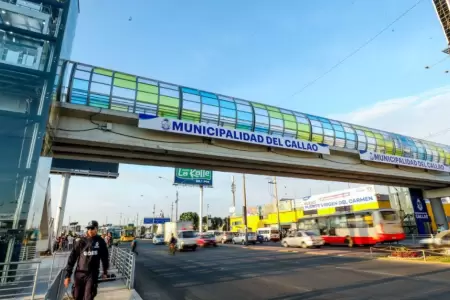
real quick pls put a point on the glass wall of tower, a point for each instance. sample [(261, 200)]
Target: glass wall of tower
[(32, 38)]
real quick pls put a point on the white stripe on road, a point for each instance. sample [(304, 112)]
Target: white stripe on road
[(370, 272)]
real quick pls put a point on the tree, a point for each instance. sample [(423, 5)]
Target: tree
[(216, 223), (190, 217), (226, 224)]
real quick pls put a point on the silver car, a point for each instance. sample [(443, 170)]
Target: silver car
[(303, 238), (240, 238), (440, 240)]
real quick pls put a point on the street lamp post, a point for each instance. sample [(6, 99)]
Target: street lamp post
[(244, 208), (176, 198)]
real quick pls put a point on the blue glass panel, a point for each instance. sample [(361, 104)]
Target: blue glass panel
[(246, 116), (261, 128), (229, 113), (351, 136), (340, 134), (209, 101), (324, 120), (189, 91), (243, 126), (227, 104), (80, 84), (312, 117), (78, 97), (327, 126), (209, 95), (98, 101)]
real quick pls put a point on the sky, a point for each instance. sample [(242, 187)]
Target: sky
[(265, 51)]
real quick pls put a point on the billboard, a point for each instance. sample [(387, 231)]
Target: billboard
[(193, 177), (156, 220), (361, 195)]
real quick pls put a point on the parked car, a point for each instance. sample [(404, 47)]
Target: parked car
[(303, 238), (226, 237), (240, 238), (148, 236), (158, 239), (206, 239), (260, 238), (187, 239), (440, 240)]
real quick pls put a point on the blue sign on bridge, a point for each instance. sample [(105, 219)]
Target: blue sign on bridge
[(156, 220)]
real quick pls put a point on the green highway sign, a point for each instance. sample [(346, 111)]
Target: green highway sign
[(193, 177)]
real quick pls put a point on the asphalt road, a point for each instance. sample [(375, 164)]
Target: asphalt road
[(233, 272)]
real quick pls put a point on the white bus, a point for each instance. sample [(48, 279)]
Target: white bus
[(361, 228), (269, 234)]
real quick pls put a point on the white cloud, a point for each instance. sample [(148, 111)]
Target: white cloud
[(98, 199), (423, 116)]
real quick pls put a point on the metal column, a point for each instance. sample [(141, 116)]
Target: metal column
[(200, 217), (62, 204)]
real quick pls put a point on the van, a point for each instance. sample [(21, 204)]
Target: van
[(269, 234)]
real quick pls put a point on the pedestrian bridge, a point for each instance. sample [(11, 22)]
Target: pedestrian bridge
[(106, 115)]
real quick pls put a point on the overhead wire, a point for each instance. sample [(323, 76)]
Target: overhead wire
[(352, 53)]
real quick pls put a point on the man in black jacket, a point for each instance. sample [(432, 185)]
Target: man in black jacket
[(87, 253)]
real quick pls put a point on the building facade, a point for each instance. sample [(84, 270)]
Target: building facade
[(34, 34)]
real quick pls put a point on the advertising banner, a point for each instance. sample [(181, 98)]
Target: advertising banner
[(420, 211), (193, 177), (217, 132), (347, 197), (403, 161), (156, 220)]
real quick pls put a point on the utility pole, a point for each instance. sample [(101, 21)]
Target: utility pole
[(153, 225), (200, 221), (176, 207), (171, 212), (207, 217), (233, 191), (278, 203), (120, 220), (244, 209)]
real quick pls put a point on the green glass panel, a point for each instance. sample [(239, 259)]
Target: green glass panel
[(125, 83), (290, 125), (119, 107), (259, 105), (147, 88), (389, 147), (103, 72), (190, 115), (99, 104), (274, 114), (301, 135), (380, 142), (317, 138), (125, 76), (369, 133), (167, 111), (148, 98), (169, 101), (303, 127), (398, 152), (243, 127), (448, 158), (288, 117)]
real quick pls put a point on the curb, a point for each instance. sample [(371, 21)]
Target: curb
[(135, 295), (410, 261)]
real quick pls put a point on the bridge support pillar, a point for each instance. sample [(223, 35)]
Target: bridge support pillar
[(439, 212), (62, 204)]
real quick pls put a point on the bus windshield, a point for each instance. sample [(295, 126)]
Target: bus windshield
[(389, 215)]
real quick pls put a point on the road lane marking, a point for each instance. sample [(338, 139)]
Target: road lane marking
[(370, 272)]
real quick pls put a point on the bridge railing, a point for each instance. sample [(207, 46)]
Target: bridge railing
[(19, 279), (124, 261)]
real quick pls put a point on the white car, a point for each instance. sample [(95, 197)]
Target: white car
[(303, 238), (440, 240), (240, 238), (158, 240), (187, 239)]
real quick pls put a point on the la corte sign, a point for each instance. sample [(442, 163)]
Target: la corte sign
[(403, 161), (218, 132), (362, 195)]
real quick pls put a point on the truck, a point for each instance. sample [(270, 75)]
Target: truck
[(174, 227), (128, 233)]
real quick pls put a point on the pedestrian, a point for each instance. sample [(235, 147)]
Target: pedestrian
[(134, 246), (109, 239), (87, 254), (70, 242)]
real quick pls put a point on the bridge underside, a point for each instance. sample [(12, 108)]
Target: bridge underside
[(81, 132)]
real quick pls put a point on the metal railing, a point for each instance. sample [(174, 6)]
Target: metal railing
[(19, 280), (56, 289), (124, 261)]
